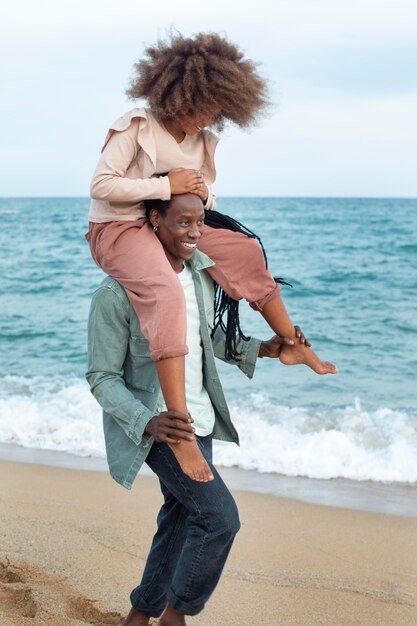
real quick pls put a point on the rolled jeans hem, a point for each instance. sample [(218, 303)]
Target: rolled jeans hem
[(142, 607), (169, 352), (183, 607), (258, 305)]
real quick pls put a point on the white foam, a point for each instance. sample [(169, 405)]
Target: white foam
[(57, 414), (350, 442)]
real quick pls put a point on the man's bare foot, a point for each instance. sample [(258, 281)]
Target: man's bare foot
[(299, 354), (192, 462), (136, 619), (170, 617)]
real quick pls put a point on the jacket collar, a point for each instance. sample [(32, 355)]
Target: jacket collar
[(200, 261)]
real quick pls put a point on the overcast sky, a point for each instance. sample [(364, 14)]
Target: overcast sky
[(343, 76)]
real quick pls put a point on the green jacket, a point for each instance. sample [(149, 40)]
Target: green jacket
[(124, 379)]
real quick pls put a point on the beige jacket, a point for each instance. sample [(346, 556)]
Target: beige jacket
[(124, 176)]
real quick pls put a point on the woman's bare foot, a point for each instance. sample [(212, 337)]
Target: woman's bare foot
[(170, 617), (299, 354), (192, 462), (136, 619)]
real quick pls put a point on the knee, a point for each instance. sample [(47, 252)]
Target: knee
[(228, 522), (253, 252)]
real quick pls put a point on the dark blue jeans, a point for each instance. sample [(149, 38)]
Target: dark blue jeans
[(196, 527)]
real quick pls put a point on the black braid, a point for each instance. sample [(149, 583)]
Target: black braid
[(223, 303)]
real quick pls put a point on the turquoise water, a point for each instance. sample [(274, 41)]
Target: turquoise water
[(353, 266)]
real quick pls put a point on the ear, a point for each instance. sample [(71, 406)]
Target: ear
[(154, 217)]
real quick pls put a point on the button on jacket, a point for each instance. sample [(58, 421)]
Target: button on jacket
[(124, 380)]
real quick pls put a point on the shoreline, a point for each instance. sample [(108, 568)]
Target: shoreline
[(388, 498), (73, 544)]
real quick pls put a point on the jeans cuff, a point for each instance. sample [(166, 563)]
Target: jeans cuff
[(181, 606), (140, 605)]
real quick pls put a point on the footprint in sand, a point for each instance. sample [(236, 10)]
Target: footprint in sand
[(30, 597), (15, 596)]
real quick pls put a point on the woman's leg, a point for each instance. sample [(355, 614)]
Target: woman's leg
[(210, 525), (241, 271), (132, 254)]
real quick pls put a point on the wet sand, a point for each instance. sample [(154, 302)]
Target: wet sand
[(73, 544)]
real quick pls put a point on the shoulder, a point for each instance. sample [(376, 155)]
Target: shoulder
[(210, 139), (130, 126), (130, 117), (110, 292)]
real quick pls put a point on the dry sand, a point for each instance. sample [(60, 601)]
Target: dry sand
[(73, 544)]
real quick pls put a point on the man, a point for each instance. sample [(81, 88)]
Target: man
[(199, 518)]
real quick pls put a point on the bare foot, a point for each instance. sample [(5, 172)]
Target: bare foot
[(170, 617), (136, 619), (299, 354), (192, 462)]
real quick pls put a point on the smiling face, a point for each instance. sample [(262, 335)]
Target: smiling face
[(180, 228), (191, 123)]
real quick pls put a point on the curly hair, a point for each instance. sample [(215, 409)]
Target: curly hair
[(202, 73)]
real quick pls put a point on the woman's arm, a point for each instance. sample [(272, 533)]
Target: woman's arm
[(110, 181)]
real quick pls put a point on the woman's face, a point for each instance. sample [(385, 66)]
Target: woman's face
[(180, 228), (192, 123)]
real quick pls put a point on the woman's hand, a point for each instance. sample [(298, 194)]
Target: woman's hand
[(187, 181), (170, 427)]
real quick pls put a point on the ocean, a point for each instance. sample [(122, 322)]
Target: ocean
[(353, 267)]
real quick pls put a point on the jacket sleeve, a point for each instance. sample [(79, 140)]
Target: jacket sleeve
[(110, 181), (249, 352), (210, 203), (108, 340)]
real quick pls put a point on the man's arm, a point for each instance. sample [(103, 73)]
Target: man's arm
[(253, 349), (249, 352), (108, 340)]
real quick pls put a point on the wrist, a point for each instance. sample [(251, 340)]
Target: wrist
[(262, 350)]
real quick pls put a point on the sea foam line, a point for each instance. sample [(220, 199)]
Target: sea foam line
[(350, 442)]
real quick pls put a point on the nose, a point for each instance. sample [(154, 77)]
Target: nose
[(194, 231)]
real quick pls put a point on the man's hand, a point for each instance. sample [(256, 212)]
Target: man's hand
[(272, 347), (301, 338), (170, 427)]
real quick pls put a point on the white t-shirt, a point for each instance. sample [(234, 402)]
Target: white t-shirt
[(198, 400)]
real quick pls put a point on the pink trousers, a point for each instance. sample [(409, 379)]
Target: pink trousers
[(132, 254)]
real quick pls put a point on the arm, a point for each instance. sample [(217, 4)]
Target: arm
[(210, 201), (254, 348), (110, 181), (249, 352), (108, 340)]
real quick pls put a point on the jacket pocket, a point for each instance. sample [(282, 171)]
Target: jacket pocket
[(140, 370)]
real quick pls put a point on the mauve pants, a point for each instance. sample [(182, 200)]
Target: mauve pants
[(130, 252)]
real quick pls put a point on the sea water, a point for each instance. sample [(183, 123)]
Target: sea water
[(353, 267)]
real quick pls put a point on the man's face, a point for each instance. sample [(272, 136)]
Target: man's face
[(180, 228)]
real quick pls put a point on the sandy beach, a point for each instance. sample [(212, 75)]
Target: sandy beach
[(73, 544)]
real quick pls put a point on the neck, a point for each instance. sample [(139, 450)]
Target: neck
[(174, 129)]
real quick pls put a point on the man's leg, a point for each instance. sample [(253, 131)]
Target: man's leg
[(188, 575)]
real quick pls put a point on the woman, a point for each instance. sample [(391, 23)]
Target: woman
[(190, 84)]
